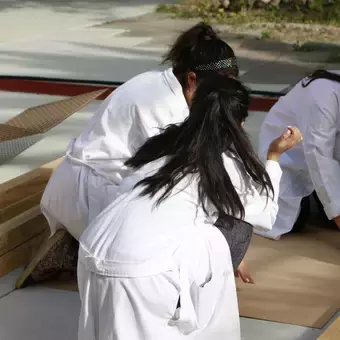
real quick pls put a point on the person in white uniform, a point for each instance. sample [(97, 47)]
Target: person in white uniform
[(94, 163), (82, 185), (152, 264), (312, 167)]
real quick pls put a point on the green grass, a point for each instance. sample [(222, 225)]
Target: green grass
[(266, 34), (285, 14), (319, 24)]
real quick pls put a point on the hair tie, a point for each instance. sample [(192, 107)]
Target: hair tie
[(218, 65)]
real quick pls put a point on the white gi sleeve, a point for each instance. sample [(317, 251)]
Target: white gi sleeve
[(261, 209), (319, 143)]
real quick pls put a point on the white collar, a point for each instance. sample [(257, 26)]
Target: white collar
[(175, 86)]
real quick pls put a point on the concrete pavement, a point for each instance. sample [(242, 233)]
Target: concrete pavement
[(21, 19), (264, 64), (31, 309), (56, 38), (73, 39)]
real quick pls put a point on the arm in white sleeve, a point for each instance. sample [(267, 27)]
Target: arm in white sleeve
[(261, 209), (319, 142)]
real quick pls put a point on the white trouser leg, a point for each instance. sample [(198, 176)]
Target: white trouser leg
[(121, 308)]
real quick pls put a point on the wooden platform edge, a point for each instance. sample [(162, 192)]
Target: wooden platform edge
[(28, 176), (39, 253), (332, 332), (22, 225), (20, 206), (19, 256), (19, 234)]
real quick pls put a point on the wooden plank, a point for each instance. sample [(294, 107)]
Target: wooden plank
[(13, 236), (279, 306), (28, 176), (20, 206), (39, 255), (20, 256), (25, 189), (332, 332), (22, 226), (20, 219), (26, 185)]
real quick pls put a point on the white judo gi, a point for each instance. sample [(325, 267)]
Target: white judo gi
[(94, 161), (137, 260), (313, 164)]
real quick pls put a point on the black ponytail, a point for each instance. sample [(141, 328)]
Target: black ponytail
[(187, 42), (321, 74), (214, 126), (200, 45)]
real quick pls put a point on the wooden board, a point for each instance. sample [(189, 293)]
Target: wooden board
[(297, 278), (41, 254), (332, 332), (19, 256), (26, 185), (15, 235), (17, 208), (24, 190), (22, 225)]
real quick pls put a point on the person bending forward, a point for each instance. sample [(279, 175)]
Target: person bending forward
[(152, 265), (313, 106)]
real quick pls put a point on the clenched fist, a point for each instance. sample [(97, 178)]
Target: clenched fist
[(286, 141)]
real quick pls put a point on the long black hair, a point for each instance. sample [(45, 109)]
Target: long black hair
[(200, 45), (321, 74), (214, 126)]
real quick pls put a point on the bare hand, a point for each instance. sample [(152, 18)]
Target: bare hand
[(286, 141), (242, 272)]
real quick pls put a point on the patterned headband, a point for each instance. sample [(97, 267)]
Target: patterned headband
[(218, 65)]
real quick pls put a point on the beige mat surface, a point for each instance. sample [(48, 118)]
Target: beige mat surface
[(297, 278), (332, 332)]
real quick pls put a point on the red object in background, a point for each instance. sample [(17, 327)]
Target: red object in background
[(70, 88)]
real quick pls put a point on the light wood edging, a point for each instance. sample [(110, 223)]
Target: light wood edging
[(22, 226)]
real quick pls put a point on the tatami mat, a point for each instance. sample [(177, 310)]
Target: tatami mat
[(332, 332), (297, 278)]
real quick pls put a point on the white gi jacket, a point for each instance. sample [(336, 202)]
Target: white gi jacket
[(136, 259), (313, 164), (95, 160)]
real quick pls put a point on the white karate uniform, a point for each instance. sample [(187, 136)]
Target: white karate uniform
[(94, 162), (137, 259), (313, 164)]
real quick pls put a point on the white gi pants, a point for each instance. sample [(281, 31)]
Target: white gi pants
[(144, 308), (73, 196)]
